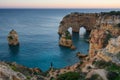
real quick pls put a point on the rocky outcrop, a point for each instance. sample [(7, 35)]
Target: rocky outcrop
[(13, 71), (6, 73), (112, 51), (113, 29), (66, 40), (81, 56), (113, 45), (98, 40), (88, 20), (77, 20), (13, 38)]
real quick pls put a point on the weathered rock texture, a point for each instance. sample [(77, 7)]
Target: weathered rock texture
[(13, 38), (13, 71), (99, 23), (98, 40), (112, 51), (77, 20), (113, 29), (66, 40), (113, 45), (6, 73), (87, 20)]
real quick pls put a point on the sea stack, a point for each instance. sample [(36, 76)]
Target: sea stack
[(66, 40), (13, 38)]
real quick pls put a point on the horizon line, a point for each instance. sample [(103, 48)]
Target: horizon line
[(57, 8)]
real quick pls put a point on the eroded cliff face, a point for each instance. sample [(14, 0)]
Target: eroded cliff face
[(113, 45), (113, 29), (89, 21), (13, 38), (112, 51), (98, 40), (77, 20), (100, 25)]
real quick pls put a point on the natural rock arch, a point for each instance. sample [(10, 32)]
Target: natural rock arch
[(87, 20), (78, 20)]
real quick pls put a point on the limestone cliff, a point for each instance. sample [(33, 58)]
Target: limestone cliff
[(89, 21), (13, 71), (113, 45), (77, 20), (13, 38), (6, 73), (113, 29), (112, 51), (98, 40)]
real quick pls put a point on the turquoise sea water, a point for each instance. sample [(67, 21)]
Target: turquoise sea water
[(37, 29)]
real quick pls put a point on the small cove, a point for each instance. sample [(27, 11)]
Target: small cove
[(37, 29)]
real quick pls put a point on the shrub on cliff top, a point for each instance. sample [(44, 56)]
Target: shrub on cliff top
[(110, 67), (69, 76), (111, 13), (67, 34), (118, 24)]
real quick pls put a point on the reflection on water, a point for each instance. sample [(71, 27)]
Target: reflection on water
[(14, 49)]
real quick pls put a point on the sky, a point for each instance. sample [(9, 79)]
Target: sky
[(59, 3)]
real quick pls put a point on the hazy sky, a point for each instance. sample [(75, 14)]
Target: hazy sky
[(59, 3)]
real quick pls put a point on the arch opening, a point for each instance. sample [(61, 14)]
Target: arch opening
[(82, 31), (70, 30)]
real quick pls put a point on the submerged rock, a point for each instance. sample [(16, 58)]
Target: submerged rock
[(13, 38), (80, 55), (73, 47)]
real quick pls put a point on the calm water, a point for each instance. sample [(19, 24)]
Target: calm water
[(37, 29)]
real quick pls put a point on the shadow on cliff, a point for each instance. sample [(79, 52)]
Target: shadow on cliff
[(14, 49)]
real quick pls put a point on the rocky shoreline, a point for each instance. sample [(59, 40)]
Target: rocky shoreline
[(101, 63)]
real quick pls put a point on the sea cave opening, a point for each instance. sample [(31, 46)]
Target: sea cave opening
[(82, 32), (70, 30)]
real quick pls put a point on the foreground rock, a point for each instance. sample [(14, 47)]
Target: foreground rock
[(13, 71), (6, 73), (13, 38)]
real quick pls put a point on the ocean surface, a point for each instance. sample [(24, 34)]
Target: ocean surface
[(37, 30)]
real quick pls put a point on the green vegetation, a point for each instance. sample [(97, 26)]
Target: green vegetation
[(67, 16), (95, 77), (111, 68), (107, 38), (14, 68), (21, 69), (111, 13), (67, 34), (28, 77), (118, 25), (69, 76), (10, 37)]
